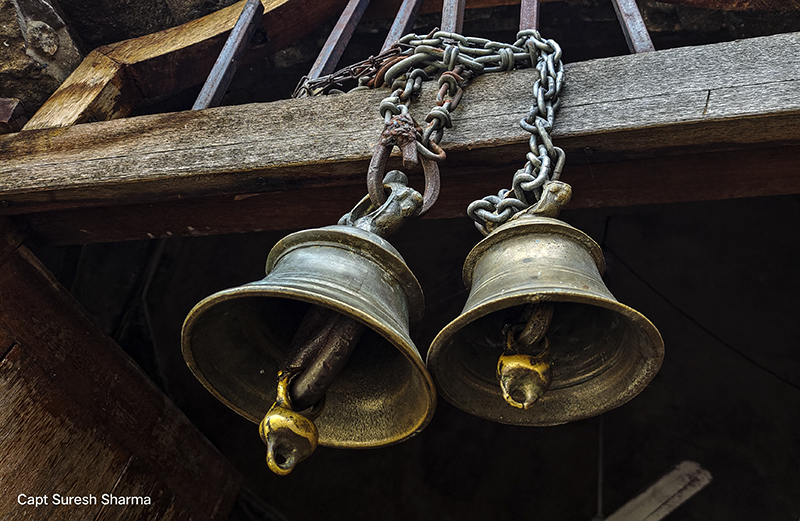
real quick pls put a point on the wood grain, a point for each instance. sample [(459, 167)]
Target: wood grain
[(49, 442), (641, 126), (105, 383)]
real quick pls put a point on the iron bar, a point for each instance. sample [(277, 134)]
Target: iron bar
[(633, 27), (529, 15), (403, 22), (339, 38), (453, 16), (229, 58)]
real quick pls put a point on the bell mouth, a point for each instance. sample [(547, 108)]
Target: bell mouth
[(602, 355), (602, 352), (234, 341)]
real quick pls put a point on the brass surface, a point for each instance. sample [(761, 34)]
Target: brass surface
[(290, 436), (524, 369), (602, 352), (235, 340)]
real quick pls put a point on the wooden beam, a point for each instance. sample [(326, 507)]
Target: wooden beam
[(692, 123), (669, 492), (76, 413)]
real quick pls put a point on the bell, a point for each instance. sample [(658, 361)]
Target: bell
[(236, 340), (593, 355)]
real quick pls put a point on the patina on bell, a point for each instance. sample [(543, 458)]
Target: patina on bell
[(235, 341), (595, 354)]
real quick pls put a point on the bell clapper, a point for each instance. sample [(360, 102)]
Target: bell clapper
[(290, 436), (524, 369), (318, 352)]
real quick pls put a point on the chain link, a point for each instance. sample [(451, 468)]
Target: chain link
[(545, 160), (457, 59)]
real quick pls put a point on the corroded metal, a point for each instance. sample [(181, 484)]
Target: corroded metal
[(601, 353), (400, 131), (741, 5), (402, 203), (338, 39), (231, 55), (453, 15), (630, 18), (529, 15), (403, 22), (545, 160), (237, 340)]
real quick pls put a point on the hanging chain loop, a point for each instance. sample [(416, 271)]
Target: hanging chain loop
[(456, 59), (545, 160)]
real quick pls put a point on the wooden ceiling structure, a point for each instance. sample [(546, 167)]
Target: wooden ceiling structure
[(689, 124)]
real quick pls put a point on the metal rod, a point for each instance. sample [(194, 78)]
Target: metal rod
[(339, 38), (403, 22), (529, 15), (633, 27), (453, 16), (229, 58)]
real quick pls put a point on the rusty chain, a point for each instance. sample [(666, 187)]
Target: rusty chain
[(457, 59)]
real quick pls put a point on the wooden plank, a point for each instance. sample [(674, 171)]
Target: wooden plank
[(622, 110), (113, 78), (665, 495), (49, 442), (723, 177), (136, 480), (101, 378), (98, 90)]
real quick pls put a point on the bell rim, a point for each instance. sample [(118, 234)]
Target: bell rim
[(528, 224), (411, 354), (651, 365)]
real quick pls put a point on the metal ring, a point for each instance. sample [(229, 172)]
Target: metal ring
[(377, 169), (375, 173)]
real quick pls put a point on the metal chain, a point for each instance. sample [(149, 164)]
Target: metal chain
[(457, 59), (362, 72), (545, 161)]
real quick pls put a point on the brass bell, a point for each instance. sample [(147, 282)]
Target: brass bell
[(596, 353), (234, 341)]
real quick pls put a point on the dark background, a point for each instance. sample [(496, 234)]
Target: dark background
[(719, 279)]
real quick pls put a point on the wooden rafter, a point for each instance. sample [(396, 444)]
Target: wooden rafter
[(683, 124)]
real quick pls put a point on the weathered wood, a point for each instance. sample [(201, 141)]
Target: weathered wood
[(722, 176), (104, 382), (48, 443), (619, 115), (113, 78), (98, 90), (665, 495)]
